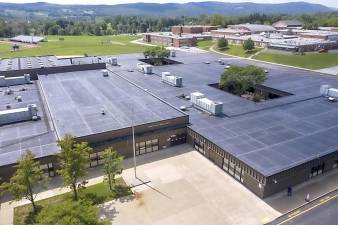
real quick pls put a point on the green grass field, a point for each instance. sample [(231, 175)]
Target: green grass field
[(309, 60), (98, 193), (237, 50), (80, 45), (205, 45), (4, 48)]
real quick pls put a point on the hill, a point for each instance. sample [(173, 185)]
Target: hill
[(154, 9)]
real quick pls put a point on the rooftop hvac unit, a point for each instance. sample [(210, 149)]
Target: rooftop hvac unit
[(145, 68), (17, 115), (198, 99), (18, 98), (172, 80), (112, 61), (329, 92), (105, 73), (173, 53), (11, 81)]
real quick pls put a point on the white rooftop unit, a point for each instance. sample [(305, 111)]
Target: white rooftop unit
[(112, 61), (171, 80), (105, 73), (173, 53), (11, 81), (145, 68), (18, 115), (327, 91), (198, 99)]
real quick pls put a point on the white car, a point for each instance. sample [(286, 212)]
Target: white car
[(227, 66), (266, 71)]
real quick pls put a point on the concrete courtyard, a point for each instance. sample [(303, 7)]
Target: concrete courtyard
[(182, 187)]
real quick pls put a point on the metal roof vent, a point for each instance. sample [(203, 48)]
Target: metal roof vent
[(103, 112), (18, 98), (8, 106), (8, 91), (105, 73)]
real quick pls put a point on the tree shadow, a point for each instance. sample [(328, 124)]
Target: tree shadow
[(108, 211)]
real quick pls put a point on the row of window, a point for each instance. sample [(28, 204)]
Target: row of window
[(146, 147), (143, 147), (200, 144)]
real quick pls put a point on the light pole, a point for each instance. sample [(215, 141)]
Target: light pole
[(133, 133)]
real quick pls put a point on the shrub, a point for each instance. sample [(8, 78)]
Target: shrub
[(222, 43), (248, 45)]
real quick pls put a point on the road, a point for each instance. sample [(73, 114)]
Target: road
[(322, 211)]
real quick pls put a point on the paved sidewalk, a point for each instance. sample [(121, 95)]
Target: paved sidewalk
[(316, 187), (330, 70), (317, 211), (185, 188)]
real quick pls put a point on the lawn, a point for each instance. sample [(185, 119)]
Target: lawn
[(98, 193), (237, 50), (205, 45), (80, 45), (309, 60), (4, 47)]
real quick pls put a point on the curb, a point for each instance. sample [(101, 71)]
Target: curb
[(299, 207)]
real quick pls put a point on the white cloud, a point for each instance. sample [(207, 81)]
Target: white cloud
[(331, 3)]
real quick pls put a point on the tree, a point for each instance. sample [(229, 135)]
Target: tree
[(15, 47), (222, 43), (238, 80), (74, 159), (156, 54), (248, 45), (27, 177), (70, 213), (112, 166)]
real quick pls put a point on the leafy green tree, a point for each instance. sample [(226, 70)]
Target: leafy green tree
[(156, 54), (248, 45), (222, 43), (70, 213), (112, 166), (238, 80), (27, 177), (74, 160)]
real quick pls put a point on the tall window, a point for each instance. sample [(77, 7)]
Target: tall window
[(48, 169), (317, 170), (146, 146)]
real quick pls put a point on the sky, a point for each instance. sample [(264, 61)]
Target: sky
[(330, 3)]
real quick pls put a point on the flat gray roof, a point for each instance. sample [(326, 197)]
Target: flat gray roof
[(270, 136), (28, 39), (76, 99), (16, 138), (21, 63)]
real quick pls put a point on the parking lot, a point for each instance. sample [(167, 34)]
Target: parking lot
[(182, 187)]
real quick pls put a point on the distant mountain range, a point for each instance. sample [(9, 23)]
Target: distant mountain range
[(154, 9)]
